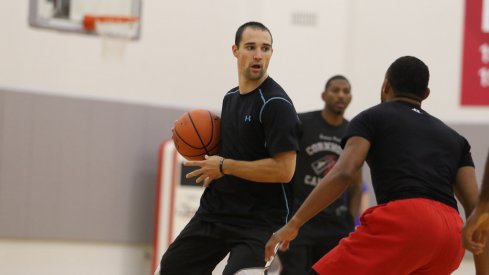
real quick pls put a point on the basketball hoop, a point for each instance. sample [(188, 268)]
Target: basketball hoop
[(115, 31)]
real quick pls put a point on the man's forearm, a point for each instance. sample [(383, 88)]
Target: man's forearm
[(481, 261), (270, 170)]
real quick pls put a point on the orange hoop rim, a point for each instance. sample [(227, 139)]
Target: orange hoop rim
[(89, 21)]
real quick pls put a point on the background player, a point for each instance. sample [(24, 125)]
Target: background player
[(319, 150)]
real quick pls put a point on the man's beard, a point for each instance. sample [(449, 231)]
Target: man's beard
[(338, 112), (252, 76)]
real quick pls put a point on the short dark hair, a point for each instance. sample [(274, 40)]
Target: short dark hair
[(336, 77), (251, 24), (408, 76)]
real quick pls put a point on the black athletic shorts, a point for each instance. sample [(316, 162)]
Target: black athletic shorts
[(202, 245)]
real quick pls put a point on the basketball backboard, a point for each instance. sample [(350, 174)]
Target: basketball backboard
[(68, 15)]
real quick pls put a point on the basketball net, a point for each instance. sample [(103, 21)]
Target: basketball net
[(115, 32)]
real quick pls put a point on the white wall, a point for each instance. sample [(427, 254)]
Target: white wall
[(431, 30), (184, 55), (184, 59)]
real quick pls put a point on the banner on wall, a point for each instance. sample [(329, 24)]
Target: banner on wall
[(475, 64)]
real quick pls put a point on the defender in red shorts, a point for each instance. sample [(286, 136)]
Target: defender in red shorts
[(418, 164)]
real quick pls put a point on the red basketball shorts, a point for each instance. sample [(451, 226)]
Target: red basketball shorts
[(410, 236)]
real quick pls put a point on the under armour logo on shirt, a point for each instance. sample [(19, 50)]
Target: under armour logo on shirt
[(247, 118)]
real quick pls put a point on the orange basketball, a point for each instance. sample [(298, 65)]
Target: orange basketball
[(196, 134)]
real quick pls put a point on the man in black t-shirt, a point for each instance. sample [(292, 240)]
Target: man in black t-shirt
[(320, 148), (417, 163), (247, 194)]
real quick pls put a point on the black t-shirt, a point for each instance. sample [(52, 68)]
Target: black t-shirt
[(254, 126), (320, 148), (412, 154)]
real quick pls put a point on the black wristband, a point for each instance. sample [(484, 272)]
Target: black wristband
[(220, 165)]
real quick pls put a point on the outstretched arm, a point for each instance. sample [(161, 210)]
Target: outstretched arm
[(477, 227), (476, 230), (328, 189)]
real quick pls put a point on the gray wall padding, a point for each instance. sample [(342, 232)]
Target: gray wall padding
[(81, 169)]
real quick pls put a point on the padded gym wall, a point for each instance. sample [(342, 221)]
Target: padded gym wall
[(83, 169), (78, 169)]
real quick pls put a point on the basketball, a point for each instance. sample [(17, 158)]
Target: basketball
[(196, 134)]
